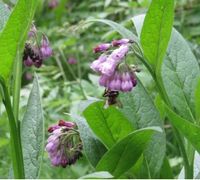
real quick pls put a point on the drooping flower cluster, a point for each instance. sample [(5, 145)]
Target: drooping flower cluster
[(34, 53), (115, 74), (64, 145)]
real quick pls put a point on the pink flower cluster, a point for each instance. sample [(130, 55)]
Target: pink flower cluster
[(114, 74), (64, 144), (35, 54)]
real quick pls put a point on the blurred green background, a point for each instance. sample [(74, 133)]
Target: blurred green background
[(64, 85)]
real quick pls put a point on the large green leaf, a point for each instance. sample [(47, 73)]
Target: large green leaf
[(92, 147), (123, 155), (109, 124), (139, 108), (32, 134), (4, 14), (188, 129), (14, 33), (180, 72), (156, 30)]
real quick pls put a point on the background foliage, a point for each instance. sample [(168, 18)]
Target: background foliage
[(63, 86)]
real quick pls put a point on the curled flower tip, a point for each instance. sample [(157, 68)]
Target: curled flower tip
[(64, 145), (28, 62), (32, 31), (72, 60), (121, 42), (53, 4), (102, 48), (66, 123), (45, 49), (52, 128)]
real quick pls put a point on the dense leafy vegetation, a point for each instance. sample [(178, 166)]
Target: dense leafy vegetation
[(148, 130)]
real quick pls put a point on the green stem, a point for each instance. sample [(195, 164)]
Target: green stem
[(17, 87), (73, 75), (16, 151), (61, 68)]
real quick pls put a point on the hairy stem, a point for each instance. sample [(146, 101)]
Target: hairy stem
[(16, 150)]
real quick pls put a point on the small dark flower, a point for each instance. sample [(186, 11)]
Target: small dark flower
[(45, 49), (28, 62), (72, 60), (28, 76), (53, 4), (32, 56), (64, 145)]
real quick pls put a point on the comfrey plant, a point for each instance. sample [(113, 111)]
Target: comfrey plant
[(64, 144), (127, 142), (35, 53)]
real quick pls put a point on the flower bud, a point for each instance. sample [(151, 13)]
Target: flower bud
[(45, 49), (28, 62), (102, 48), (121, 42), (72, 60)]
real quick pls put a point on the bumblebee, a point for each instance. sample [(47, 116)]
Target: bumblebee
[(111, 98)]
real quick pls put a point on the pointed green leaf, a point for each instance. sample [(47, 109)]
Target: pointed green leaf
[(188, 129), (13, 35), (32, 134), (92, 147), (156, 30), (139, 108), (180, 73), (123, 155), (109, 124)]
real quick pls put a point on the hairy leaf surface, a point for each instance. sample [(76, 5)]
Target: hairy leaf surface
[(140, 110), (92, 147), (156, 30), (110, 125), (123, 155), (13, 35), (32, 134)]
